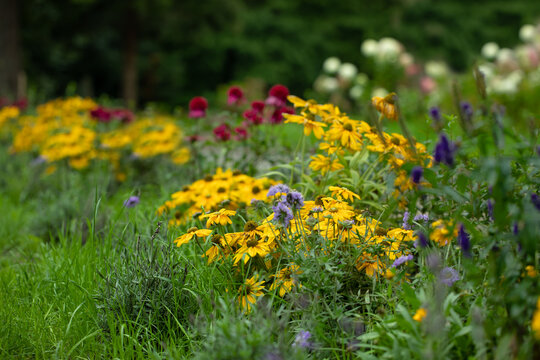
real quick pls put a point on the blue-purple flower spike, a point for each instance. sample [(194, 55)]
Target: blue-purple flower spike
[(435, 114), (416, 174), (444, 151), (464, 241), (535, 199), (422, 240)]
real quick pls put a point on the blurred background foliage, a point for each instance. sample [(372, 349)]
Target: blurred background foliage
[(167, 51)]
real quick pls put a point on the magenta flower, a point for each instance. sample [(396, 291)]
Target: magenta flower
[(235, 96), (277, 96), (222, 132), (197, 107)]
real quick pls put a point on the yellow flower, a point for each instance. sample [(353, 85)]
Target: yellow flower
[(221, 217), (346, 131), (249, 292), (343, 193), (250, 249), (535, 325), (284, 280), (324, 164), (331, 149), (531, 271), (386, 106), (441, 234), (420, 315), (184, 239)]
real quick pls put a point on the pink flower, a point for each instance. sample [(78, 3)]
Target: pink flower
[(197, 107), (254, 115), (277, 116), (101, 114), (241, 133), (222, 132), (277, 96), (124, 115), (427, 84), (235, 96)]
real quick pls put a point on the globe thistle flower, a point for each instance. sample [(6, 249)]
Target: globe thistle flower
[(294, 200), (235, 95), (449, 276), (197, 107), (277, 96), (282, 214)]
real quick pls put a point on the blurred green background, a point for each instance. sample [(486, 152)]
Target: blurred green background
[(168, 51)]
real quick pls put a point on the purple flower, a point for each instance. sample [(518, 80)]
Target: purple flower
[(422, 240), (464, 241), (489, 205), (538, 150), (421, 217), (317, 209), (132, 201), (294, 200), (282, 214), (416, 174), (515, 228), (536, 201), (302, 340), (276, 189), (435, 114), (466, 110), (444, 151), (401, 260), (448, 276), (405, 224)]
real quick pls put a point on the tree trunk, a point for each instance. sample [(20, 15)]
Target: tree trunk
[(129, 39), (10, 50)]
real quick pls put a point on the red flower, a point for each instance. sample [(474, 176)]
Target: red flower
[(197, 107), (222, 132), (277, 116), (235, 95), (254, 115), (193, 138), (277, 96), (21, 103), (241, 133), (258, 106), (101, 114), (124, 115)]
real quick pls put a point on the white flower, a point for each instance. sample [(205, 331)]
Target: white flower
[(487, 69), (436, 69), (490, 50), (361, 79), (326, 84), (370, 47), (527, 33), (347, 71), (406, 59), (505, 55), (331, 65), (356, 92)]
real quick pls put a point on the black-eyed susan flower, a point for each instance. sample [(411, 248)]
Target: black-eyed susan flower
[(386, 106), (285, 279), (441, 233), (346, 132), (221, 217), (249, 292), (420, 315), (343, 194), (324, 164), (251, 248), (184, 239)]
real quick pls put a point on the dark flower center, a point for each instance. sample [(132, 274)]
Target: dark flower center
[(250, 226), (348, 127)]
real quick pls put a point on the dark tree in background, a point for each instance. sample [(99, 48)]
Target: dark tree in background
[(11, 76), (167, 51)]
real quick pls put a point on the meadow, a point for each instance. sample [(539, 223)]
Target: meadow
[(352, 223)]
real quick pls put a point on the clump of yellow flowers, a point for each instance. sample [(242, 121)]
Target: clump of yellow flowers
[(62, 130), (263, 248), (341, 135)]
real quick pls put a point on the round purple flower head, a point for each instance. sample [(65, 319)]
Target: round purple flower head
[(294, 200), (405, 224), (132, 201), (402, 260), (282, 214), (449, 276), (302, 340), (276, 189)]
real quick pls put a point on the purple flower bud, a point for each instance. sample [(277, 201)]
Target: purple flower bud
[(131, 202), (444, 151), (421, 217), (466, 110), (448, 276), (489, 205), (405, 224), (536, 201), (464, 241), (416, 174), (435, 114), (515, 228), (302, 340), (422, 241)]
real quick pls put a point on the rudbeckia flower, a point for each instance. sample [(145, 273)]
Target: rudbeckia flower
[(386, 106), (249, 292), (221, 217), (343, 193), (184, 239)]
